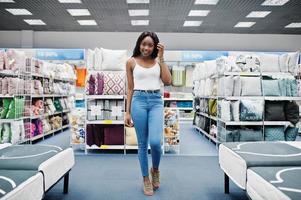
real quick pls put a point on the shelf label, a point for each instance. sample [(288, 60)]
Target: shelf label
[(108, 122), (96, 110), (117, 111), (60, 54), (104, 146)]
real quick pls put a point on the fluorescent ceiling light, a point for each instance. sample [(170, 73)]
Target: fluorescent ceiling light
[(192, 23), (7, 1), (244, 24), (137, 1), (87, 22), (206, 2), (70, 1), (274, 2), (138, 12), (258, 14), (140, 22), (200, 13), (294, 25), (17, 11), (34, 22), (79, 12)]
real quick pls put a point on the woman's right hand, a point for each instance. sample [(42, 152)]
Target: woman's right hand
[(128, 120)]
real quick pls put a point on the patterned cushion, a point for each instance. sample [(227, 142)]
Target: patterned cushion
[(274, 133), (291, 133), (251, 110), (114, 83)]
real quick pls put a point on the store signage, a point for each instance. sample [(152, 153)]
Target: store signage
[(200, 56), (60, 54)]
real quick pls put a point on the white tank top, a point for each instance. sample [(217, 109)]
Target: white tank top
[(146, 78)]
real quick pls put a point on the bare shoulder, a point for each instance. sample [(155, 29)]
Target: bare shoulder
[(130, 63)]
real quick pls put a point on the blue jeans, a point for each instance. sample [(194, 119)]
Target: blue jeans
[(147, 115)]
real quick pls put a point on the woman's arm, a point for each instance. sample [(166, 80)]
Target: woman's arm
[(165, 73), (130, 90)]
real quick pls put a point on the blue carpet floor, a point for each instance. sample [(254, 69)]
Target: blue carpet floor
[(117, 176)]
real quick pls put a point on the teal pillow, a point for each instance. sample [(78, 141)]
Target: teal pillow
[(250, 135), (225, 135), (291, 133), (288, 88), (294, 88), (274, 133), (271, 88), (282, 87)]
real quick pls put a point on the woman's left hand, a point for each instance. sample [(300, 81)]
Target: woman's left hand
[(160, 48)]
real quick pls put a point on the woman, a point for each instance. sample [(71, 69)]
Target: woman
[(145, 70)]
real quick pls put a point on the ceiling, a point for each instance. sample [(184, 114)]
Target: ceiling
[(164, 16)]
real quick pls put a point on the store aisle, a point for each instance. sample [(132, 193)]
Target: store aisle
[(193, 143), (117, 177)]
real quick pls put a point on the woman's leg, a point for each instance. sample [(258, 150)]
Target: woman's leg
[(155, 129), (140, 119)]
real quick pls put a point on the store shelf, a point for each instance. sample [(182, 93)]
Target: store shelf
[(48, 95), (242, 123), (178, 108), (37, 116), (133, 147), (185, 119), (104, 96), (52, 131), (276, 74), (105, 122), (12, 120), (37, 75), (115, 147), (283, 98), (206, 134), (242, 73), (208, 116), (277, 123), (66, 126), (36, 137), (177, 99), (207, 97), (268, 98), (243, 97), (6, 96), (8, 73)]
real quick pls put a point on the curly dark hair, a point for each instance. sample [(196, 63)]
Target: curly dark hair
[(143, 35)]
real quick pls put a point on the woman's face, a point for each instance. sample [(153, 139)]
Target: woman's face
[(147, 46)]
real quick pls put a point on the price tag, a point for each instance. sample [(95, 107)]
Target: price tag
[(96, 110), (108, 122), (117, 111), (104, 147)]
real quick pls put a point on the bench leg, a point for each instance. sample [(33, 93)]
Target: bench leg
[(226, 182), (66, 183)]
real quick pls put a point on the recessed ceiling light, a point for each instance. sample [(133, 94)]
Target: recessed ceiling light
[(274, 2), (70, 1), (140, 22), (137, 1), (7, 1), (34, 22), (79, 12), (258, 14), (87, 22), (294, 25), (200, 13), (192, 23), (244, 24), (17, 11), (206, 2), (138, 12)]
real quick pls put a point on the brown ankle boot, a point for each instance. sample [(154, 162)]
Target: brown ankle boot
[(148, 188), (155, 178)]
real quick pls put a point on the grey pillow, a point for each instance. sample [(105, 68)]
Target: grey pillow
[(250, 135), (271, 88), (274, 111), (250, 86), (274, 133)]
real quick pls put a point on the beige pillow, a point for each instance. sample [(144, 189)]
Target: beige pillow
[(130, 136)]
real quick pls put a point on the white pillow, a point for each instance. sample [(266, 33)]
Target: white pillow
[(97, 59), (213, 90), (225, 110), (237, 86), (283, 62), (228, 86), (207, 87), (113, 60), (221, 65), (90, 59), (211, 68), (269, 63), (250, 86), (235, 110), (202, 88), (292, 62), (196, 85), (220, 86)]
